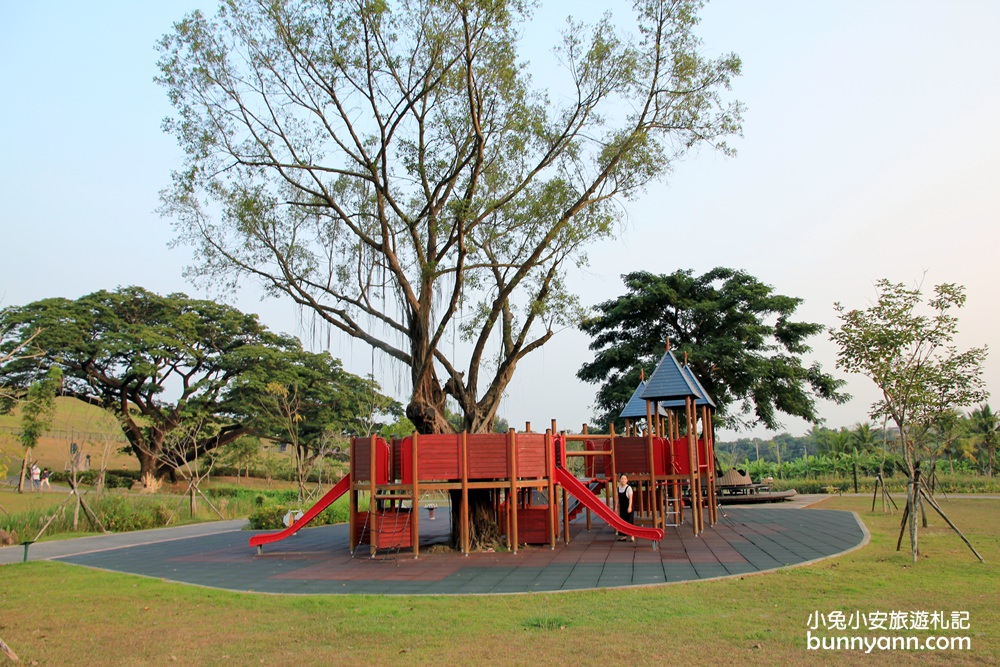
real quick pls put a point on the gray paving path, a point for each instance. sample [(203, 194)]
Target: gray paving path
[(54, 549), (317, 560)]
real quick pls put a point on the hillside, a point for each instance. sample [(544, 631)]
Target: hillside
[(92, 429)]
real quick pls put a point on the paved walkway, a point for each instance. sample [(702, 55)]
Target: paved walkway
[(316, 560)]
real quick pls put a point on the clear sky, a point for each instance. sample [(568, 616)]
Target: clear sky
[(871, 149)]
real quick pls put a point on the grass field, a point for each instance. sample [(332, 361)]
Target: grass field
[(54, 614)]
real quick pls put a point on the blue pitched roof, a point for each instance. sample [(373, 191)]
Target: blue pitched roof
[(669, 381), (702, 399), (636, 406)]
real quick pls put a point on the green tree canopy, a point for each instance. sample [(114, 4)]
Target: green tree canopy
[(391, 167), (160, 362), (738, 336), (921, 375), (909, 355), (984, 433)]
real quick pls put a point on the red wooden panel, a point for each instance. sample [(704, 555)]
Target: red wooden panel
[(392, 529), (361, 524), (681, 457), (598, 465), (438, 457), (396, 472), (487, 456), (406, 460), (661, 460), (532, 525), (631, 455), (531, 452), (705, 455), (361, 460), (438, 464)]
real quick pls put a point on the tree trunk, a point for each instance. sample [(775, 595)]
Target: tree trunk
[(427, 406), (427, 412), (76, 497), (484, 522), (24, 471)]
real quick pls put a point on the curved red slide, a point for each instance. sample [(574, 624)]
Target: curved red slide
[(339, 489), (596, 505)]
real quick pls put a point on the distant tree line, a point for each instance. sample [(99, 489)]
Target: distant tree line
[(955, 442)]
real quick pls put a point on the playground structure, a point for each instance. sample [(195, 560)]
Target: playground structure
[(537, 483)]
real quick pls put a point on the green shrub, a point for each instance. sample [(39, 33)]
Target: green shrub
[(268, 517), (271, 516), (336, 513), (942, 483), (113, 479), (226, 491), (120, 480), (120, 514)]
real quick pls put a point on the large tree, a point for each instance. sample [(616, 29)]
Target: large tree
[(160, 362), (391, 167), (738, 336), (906, 348)]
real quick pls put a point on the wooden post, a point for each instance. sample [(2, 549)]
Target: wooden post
[(709, 435), (463, 525), (614, 468), (553, 489), (550, 524), (651, 499), (415, 503), (692, 437), (565, 507), (372, 490), (512, 497), (352, 513)]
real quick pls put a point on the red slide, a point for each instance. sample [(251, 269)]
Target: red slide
[(339, 489), (596, 505)]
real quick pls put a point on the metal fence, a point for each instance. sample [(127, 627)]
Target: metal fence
[(71, 435)]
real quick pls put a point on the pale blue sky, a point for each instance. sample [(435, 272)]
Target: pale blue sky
[(871, 150)]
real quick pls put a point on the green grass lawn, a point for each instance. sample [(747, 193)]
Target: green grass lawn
[(13, 502), (55, 614)]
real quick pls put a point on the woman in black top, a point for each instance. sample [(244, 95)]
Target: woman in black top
[(625, 503)]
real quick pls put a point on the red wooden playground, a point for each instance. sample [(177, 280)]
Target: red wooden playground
[(537, 483)]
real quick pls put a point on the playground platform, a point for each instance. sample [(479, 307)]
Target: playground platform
[(316, 561)]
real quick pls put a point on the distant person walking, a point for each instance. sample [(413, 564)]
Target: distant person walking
[(46, 473), (36, 477)]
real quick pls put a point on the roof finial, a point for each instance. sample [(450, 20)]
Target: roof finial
[(642, 374), (668, 345), (685, 358)]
